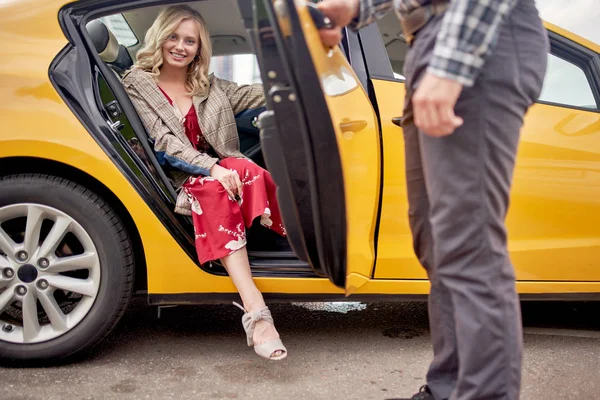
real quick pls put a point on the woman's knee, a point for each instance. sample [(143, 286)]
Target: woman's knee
[(243, 166)]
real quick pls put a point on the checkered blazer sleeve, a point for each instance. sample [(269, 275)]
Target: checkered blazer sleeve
[(242, 97), (169, 148)]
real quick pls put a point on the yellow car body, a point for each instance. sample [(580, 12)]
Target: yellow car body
[(553, 222)]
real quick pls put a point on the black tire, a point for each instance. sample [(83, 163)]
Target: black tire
[(116, 265)]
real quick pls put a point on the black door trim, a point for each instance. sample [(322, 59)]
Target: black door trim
[(583, 58), (294, 94)]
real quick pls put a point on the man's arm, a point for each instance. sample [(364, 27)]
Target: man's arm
[(468, 33), (355, 13), (369, 11)]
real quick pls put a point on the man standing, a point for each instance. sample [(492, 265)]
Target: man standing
[(473, 69)]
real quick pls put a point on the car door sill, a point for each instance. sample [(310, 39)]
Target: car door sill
[(282, 264)]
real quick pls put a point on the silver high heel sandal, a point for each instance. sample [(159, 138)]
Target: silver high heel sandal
[(267, 349)]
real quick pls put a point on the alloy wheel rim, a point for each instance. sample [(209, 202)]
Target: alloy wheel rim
[(49, 273)]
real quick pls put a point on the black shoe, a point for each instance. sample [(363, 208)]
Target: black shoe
[(424, 394)]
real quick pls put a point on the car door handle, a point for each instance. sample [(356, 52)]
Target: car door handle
[(397, 121), (352, 126)]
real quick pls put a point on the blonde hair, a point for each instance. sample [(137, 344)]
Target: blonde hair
[(150, 59)]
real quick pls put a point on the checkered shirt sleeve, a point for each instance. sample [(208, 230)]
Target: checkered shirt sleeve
[(369, 11), (468, 33)]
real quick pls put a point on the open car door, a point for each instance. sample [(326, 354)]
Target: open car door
[(320, 140)]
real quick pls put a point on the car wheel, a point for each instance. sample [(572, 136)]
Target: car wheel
[(66, 269)]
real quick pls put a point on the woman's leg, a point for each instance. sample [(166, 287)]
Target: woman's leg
[(238, 268), (220, 234)]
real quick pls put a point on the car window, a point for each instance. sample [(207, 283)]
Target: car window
[(120, 28), (239, 68), (394, 42), (566, 83)]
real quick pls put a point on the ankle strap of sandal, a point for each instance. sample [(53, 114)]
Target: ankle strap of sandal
[(255, 316)]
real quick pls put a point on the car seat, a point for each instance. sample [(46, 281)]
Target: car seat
[(110, 51)]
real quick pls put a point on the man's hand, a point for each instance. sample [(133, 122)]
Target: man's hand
[(229, 179), (340, 12), (433, 105)]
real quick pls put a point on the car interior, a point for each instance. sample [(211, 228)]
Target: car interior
[(394, 41), (228, 40), (117, 38), (109, 49)]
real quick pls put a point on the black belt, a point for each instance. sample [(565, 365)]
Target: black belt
[(418, 17)]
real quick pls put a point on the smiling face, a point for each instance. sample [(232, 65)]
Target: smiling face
[(182, 45)]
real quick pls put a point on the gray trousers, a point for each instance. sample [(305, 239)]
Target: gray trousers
[(458, 192)]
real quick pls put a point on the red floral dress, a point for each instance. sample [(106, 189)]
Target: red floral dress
[(219, 221)]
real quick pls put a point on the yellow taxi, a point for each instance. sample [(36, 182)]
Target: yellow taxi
[(86, 211)]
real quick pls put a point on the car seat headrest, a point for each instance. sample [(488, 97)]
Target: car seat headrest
[(105, 42)]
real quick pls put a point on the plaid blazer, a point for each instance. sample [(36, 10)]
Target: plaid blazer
[(216, 116)]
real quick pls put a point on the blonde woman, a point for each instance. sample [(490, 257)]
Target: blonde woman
[(189, 116)]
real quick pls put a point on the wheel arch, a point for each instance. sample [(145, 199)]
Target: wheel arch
[(17, 165)]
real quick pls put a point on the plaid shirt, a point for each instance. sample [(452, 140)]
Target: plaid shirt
[(468, 32)]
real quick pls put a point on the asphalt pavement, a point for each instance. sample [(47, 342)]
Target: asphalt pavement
[(336, 351)]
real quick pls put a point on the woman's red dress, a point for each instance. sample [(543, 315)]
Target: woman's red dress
[(219, 220)]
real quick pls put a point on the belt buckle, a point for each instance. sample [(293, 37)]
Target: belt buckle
[(407, 36), (414, 21)]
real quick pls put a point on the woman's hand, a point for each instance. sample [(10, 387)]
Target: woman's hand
[(229, 179)]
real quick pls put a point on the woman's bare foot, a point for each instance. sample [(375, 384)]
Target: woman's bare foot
[(265, 332)]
